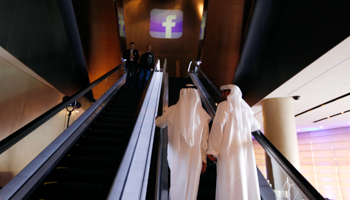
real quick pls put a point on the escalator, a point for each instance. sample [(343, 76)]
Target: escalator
[(298, 185), (88, 168), (104, 154)]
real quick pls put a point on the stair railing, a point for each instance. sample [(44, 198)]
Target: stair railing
[(302, 185)]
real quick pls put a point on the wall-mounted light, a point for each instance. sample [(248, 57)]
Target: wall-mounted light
[(71, 107)]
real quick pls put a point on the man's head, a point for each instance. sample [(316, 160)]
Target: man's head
[(132, 45), (225, 91), (148, 47)]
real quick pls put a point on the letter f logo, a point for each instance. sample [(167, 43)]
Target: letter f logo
[(168, 24)]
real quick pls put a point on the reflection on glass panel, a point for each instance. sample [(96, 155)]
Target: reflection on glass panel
[(121, 22), (14, 159), (102, 87), (203, 23), (283, 186)]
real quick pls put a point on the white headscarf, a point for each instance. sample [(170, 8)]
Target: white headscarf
[(242, 113), (186, 117)]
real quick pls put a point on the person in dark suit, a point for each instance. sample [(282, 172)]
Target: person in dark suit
[(132, 56), (146, 66)]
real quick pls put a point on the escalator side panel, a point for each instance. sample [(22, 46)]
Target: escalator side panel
[(85, 170), (26, 180)]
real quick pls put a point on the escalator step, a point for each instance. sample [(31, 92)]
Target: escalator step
[(208, 181), (69, 190), (77, 175), (110, 126), (93, 151), (113, 119), (206, 194), (211, 168), (127, 115), (87, 162), (101, 141), (120, 109), (106, 133)]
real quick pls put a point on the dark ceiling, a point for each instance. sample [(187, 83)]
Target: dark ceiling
[(43, 35), (283, 38)]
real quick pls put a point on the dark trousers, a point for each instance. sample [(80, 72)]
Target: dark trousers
[(130, 73), (143, 78)]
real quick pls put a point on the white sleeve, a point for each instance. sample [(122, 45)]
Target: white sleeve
[(255, 124), (216, 133), (162, 121)]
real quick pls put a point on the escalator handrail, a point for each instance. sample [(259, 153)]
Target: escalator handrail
[(161, 178), (124, 178), (31, 126), (217, 90), (304, 185), (306, 188)]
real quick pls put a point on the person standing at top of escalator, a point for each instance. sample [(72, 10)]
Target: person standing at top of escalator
[(230, 142), (147, 62), (132, 56)]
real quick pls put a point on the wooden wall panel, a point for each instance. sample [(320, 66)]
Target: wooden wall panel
[(98, 27), (183, 49), (221, 49)]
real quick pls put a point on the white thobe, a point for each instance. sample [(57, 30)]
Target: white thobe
[(186, 164), (236, 168)]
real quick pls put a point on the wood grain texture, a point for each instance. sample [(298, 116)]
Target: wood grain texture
[(183, 49)]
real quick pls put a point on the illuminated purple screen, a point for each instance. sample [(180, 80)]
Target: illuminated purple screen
[(166, 23)]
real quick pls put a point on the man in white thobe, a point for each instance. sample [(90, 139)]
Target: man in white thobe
[(188, 129), (230, 141)]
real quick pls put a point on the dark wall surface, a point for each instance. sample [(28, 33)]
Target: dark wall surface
[(41, 34), (284, 38)]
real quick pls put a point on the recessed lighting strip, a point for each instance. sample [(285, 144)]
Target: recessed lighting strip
[(323, 104), (331, 116)]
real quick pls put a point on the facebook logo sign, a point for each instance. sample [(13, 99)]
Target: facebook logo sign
[(166, 23)]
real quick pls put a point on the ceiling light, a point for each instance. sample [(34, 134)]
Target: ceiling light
[(298, 129), (342, 112), (321, 126)]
